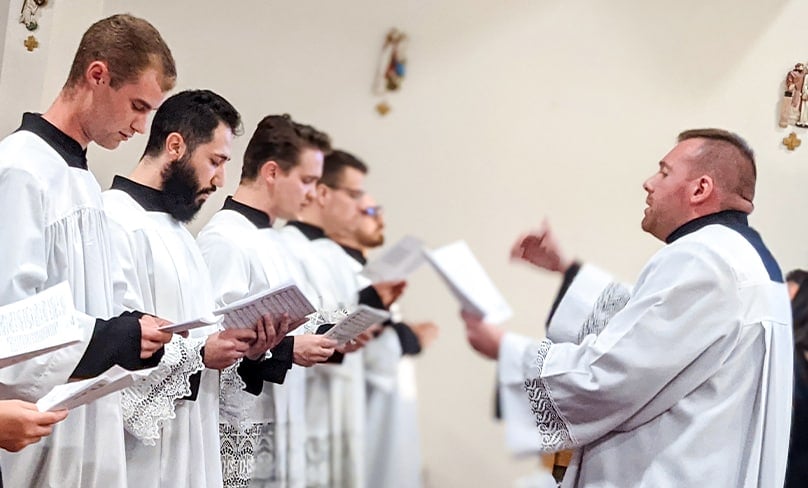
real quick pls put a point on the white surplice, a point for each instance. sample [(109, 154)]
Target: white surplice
[(54, 229), (170, 442), (335, 394), (689, 383), (392, 449), (264, 448)]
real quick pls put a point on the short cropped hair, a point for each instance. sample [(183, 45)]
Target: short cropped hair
[(128, 45), (335, 164), (798, 276), (728, 157), (195, 115), (279, 138)]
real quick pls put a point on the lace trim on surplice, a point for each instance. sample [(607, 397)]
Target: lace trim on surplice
[(554, 431), (151, 401)]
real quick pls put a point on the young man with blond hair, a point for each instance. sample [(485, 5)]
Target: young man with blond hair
[(58, 232)]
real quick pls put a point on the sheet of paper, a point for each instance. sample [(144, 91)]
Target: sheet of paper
[(78, 393), (37, 325), (191, 324), (396, 263), (469, 282), (356, 323), (286, 298)]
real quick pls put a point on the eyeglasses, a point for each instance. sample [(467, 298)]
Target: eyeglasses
[(351, 192), (372, 211)]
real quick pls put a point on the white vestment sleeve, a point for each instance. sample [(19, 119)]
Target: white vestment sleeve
[(23, 273), (229, 268), (673, 334), (577, 303), (150, 402), (520, 424), (129, 271)]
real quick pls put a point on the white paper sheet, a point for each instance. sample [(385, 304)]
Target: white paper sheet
[(78, 393), (396, 263), (286, 298), (191, 324), (37, 325), (469, 282), (356, 323)]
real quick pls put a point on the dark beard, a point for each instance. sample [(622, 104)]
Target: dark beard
[(181, 189)]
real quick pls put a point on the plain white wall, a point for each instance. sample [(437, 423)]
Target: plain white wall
[(511, 110)]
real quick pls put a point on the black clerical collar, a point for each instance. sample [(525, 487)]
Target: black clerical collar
[(355, 253), (147, 197), (258, 218), (729, 218), (71, 151), (312, 232)]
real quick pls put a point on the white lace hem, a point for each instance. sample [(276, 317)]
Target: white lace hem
[(238, 448), (150, 402), (554, 431)]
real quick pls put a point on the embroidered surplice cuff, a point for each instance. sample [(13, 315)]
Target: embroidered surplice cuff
[(149, 403), (553, 429)]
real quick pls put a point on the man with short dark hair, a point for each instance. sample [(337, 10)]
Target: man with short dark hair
[(282, 164), (694, 364), (58, 232), (172, 415)]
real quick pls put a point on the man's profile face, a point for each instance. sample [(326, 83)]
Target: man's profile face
[(296, 187), (370, 231), (341, 203), (118, 113), (190, 180), (668, 188)]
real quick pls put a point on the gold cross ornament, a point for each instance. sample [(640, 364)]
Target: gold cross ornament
[(31, 43), (792, 141)]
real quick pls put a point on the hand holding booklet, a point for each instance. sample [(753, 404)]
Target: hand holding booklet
[(284, 299), (354, 324), (469, 282), (78, 393), (37, 325)]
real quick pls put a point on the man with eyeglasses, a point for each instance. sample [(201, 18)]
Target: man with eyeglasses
[(336, 444), (393, 443)]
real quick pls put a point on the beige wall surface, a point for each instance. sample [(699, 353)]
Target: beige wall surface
[(511, 110)]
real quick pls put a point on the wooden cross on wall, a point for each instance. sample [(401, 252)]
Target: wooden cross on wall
[(31, 43), (792, 141)]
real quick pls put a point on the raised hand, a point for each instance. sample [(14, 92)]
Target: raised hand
[(541, 249)]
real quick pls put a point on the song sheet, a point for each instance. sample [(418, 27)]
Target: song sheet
[(36, 325), (286, 298), (396, 263), (468, 282), (357, 322), (78, 393)]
